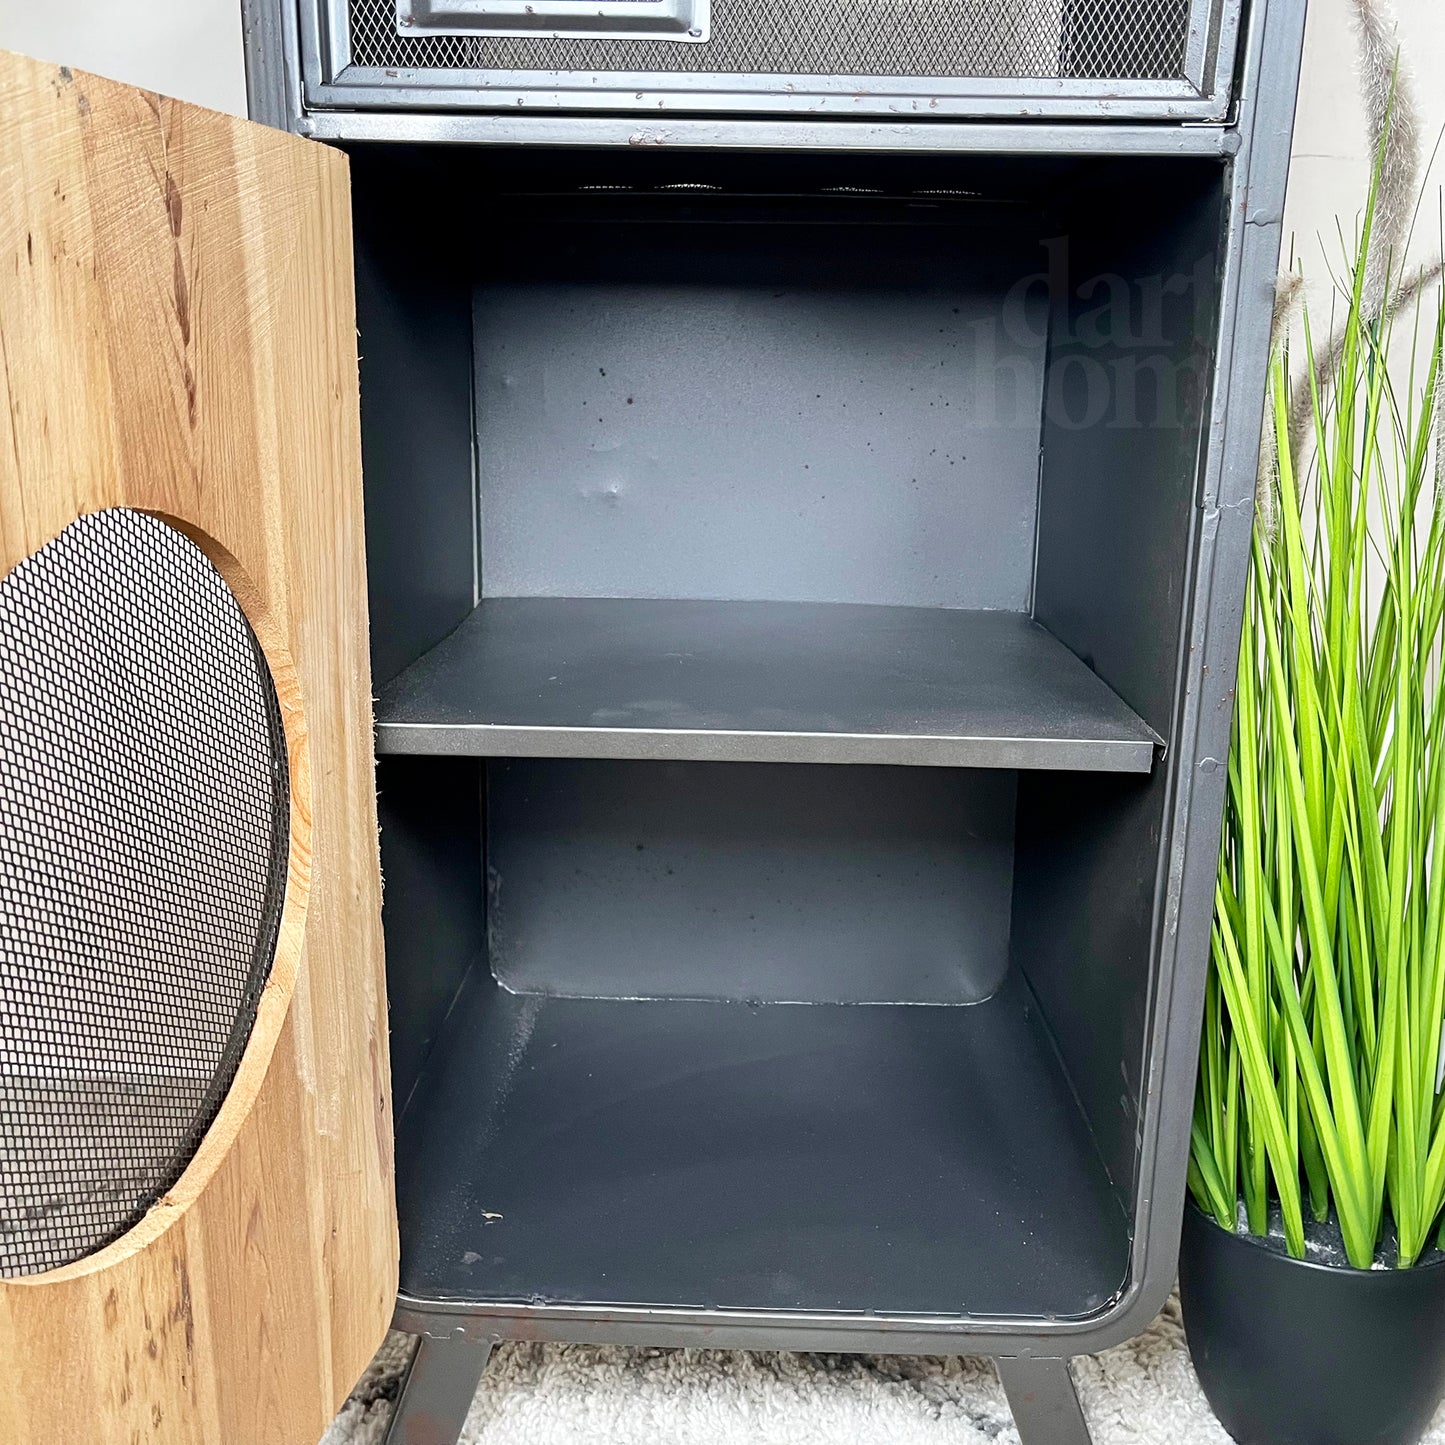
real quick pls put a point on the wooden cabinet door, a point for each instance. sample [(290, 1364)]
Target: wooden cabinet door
[(197, 1217)]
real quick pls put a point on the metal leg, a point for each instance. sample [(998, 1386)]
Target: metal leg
[(437, 1392), (1044, 1404)]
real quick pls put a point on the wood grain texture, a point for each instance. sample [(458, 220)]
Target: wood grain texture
[(177, 335)]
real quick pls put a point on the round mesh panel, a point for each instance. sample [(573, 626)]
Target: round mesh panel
[(144, 831)]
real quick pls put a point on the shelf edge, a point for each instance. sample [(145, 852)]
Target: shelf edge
[(497, 740)]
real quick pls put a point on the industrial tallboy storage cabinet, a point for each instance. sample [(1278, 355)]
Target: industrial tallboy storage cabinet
[(792, 547)]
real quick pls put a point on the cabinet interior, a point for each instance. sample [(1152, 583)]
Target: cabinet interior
[(776, 570)]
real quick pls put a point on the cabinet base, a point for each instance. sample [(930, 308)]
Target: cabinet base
[(443, 1376)]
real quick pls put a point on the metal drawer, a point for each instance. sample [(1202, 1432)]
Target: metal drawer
[(1086, 59)]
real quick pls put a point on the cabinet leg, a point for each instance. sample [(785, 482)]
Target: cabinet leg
[(1043, 1400), (437, 1391)]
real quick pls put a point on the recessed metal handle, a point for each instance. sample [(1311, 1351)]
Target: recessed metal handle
[(685, 20)]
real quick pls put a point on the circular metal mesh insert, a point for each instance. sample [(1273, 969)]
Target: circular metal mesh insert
[(144, 832)]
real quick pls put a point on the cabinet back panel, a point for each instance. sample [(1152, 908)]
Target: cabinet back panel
[(782, 411), (775, 882)]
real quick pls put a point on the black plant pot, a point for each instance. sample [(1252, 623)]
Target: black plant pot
[(1295, 1352)]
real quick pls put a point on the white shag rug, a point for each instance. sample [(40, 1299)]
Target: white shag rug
[(1142, 1393)]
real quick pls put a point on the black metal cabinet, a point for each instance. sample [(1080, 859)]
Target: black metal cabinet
[(806, 554)]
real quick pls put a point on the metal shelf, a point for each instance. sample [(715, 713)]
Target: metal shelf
[(837, 1159), (759, 682)]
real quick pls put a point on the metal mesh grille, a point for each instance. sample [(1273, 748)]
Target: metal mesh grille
[(988, 39), (144, 811)]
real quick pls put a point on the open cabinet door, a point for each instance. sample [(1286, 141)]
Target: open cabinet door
[(197, 1216)]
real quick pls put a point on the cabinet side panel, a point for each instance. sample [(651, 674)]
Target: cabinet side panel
[(1130, 375), (415, 323), (435, 913)]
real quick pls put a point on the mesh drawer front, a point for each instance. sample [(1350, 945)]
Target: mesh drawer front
[(988, 39), (144, 813)]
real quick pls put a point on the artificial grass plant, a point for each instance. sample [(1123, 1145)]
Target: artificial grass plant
[(1324, 1037)]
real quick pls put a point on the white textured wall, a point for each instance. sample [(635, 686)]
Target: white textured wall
[(1331, 163), (187, 48)]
